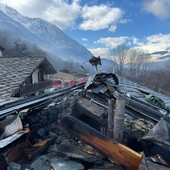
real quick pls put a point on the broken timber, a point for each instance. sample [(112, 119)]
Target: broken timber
[(107, 146), (110, 117), (119, 120), (38, 148)]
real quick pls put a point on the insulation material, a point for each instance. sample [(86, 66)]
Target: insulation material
[(9, 126)]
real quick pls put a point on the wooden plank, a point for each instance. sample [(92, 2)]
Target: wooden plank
[(14, 150), (119, 120), (110, 117), (38, 148), (96, 110), (105, 145), (17, 151)]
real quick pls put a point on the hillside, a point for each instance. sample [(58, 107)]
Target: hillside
[(45, 34)]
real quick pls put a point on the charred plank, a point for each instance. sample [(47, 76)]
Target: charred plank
[(38, 148), (105, 145), (90, 113)]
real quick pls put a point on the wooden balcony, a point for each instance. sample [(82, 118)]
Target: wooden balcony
[(33, 88)]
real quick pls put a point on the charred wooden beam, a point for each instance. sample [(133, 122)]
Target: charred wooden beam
[(13, 150), (105, 145), (90, 109), (38, 148), (119, 119), (110, 117), (16, 106), (90, 113), (17, 151), (13, 154)]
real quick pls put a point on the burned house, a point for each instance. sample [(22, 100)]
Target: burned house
[(108, 119), (22, 76)]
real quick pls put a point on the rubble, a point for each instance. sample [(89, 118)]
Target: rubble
[(148, 164), (53, 162), (72, 151), (72, 132), (105, 145), (137, 127)]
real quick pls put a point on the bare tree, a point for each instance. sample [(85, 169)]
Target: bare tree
[(34, 50), (20, 48), (137, 66), (166, 83), (167, 65), (69, 66), (6, 42), (156, 80), (119, 56), (15, 47), (137, 63)]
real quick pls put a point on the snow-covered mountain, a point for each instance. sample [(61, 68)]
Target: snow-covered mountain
[(45, 34), (17, 30)]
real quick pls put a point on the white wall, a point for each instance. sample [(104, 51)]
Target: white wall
[(0, 53), (47, 76), (35, 76)]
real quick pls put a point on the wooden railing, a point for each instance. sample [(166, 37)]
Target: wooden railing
[(33, 88)]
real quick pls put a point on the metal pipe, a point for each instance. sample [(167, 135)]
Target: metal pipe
[(100, 104)]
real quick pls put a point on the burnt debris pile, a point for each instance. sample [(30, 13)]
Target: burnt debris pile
[(107, 124)]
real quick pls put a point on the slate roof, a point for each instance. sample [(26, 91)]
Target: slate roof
[(138, 92), (130, 90), (14, 71)]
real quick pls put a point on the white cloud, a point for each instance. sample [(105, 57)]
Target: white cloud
[(102, 52), (65, 13), (19, 5), (124, 21), (154, 43), (112, 42), (135, 40), (112, 28), (100, 17), (149, 44), (85, 39), (60, 12), (159, 8)]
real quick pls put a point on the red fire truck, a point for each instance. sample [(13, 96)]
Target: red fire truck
[(61, 83)]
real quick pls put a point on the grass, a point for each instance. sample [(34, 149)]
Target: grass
[(66, 75)]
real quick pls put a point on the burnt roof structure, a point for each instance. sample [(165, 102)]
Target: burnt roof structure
[(14, 72)]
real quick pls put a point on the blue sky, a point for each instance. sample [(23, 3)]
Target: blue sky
[(101, 25)]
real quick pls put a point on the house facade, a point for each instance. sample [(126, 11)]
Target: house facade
[(1, 50), (24, 76)]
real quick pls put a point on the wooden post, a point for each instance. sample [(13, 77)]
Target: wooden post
[(110, 118), (119, 120)]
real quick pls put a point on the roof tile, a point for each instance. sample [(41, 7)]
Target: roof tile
[(13, 71)]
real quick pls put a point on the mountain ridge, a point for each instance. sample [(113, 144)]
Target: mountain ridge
[(46, 35)]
